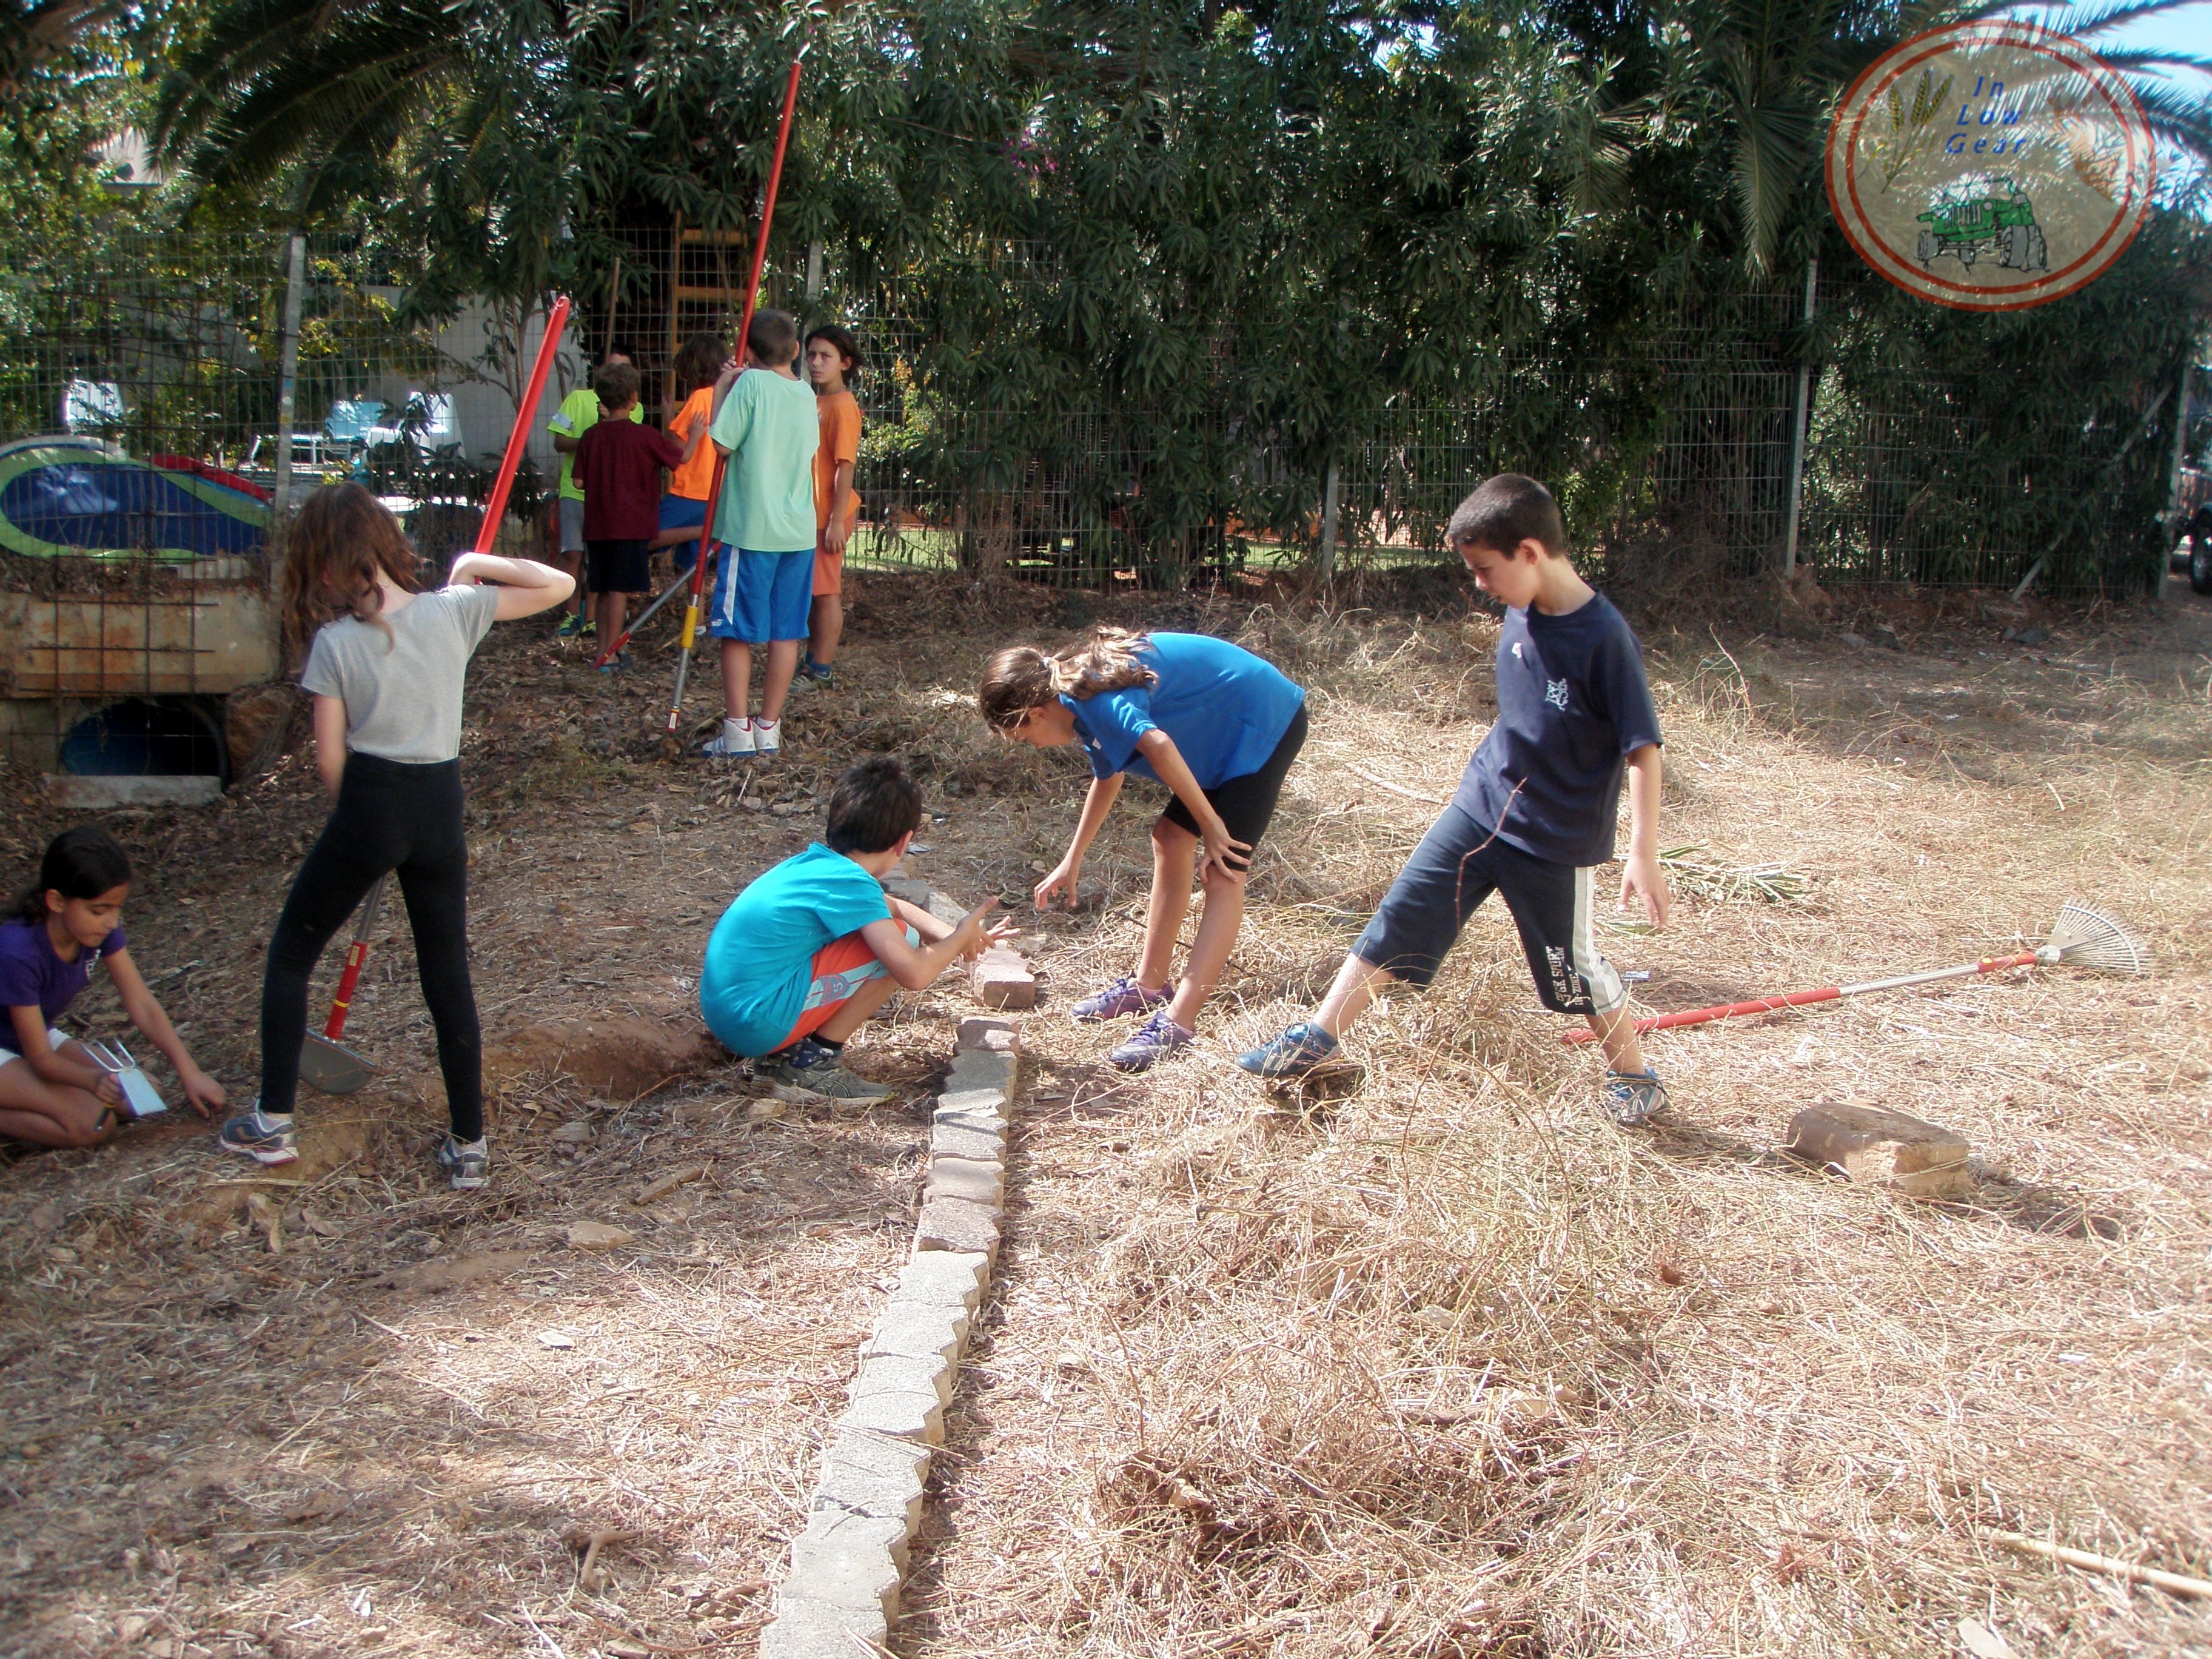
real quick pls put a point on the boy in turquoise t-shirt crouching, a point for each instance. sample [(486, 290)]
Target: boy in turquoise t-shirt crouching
[(815, 946)]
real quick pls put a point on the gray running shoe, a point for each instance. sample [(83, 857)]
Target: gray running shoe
[(260, 1139), (809, 1070), (466, 1162)]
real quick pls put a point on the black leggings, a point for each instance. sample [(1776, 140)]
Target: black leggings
[(389, 815)]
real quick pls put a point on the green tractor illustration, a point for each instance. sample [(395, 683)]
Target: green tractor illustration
[(1966, 227)]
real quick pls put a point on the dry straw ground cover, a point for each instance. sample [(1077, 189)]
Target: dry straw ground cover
[(1447, 1367), (1452, 1367)]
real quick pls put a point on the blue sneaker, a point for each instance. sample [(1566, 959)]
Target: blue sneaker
[(1123, 996), (1155, 1040), (264, 1139), (1294, 1054), (1633, 1097)]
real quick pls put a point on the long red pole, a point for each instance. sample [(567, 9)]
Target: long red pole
[(1803, 998), (744, 325), (557, 321)]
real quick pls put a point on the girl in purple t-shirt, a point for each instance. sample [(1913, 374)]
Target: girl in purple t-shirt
[(51, 1093)]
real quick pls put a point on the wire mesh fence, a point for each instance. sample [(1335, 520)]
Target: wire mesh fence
[(140, 380), (140, 389)]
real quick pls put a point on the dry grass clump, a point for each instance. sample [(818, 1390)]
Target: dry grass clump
[(1452, 1367)]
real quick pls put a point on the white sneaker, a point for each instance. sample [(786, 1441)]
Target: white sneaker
[(737, 740), (768, 736)]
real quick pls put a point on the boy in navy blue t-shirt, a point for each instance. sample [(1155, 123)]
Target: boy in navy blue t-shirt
[(1535, 810)]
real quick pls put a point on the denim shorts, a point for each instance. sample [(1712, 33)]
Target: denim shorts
[(681, 513)]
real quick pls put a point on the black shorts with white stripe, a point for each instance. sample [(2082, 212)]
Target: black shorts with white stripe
[(1458, 865)]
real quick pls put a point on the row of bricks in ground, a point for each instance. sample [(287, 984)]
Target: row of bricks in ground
[(848, 1565)]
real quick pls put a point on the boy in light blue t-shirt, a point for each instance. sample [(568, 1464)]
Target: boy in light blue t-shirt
[(768, 426), (815, 946)]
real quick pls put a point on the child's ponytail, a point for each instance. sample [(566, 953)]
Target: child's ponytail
[(1022, 677), (79, 864), (1108, 662)]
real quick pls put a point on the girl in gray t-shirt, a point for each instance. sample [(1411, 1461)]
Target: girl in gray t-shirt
[(386, 662)]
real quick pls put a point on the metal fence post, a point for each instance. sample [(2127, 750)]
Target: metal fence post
[(1804, 424), (1326, 557), (288, 370), (2173, 512)]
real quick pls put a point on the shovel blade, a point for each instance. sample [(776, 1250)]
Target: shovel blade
[(333, 1067)]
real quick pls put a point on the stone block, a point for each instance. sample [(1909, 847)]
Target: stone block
[(978, 1068), (900, 1373), (1001, 979), (1870, 1144), (916, 1331), (978, 1180), (944, 1279), (992, 1036), (849, 1565), (978, 1109), (106, 793), (953, 1140), (914, 1414), (953, 1223), (815, 1629), (912, 889), (873, 1474), (838, 1534), (946, 909)]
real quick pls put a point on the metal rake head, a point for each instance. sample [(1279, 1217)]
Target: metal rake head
[(2089, 938)]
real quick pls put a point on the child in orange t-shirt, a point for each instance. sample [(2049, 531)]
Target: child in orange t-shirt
[(833, 355), (699, 361)]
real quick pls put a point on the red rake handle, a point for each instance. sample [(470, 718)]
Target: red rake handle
[(356, 955), (1801, 998), (525, 413)]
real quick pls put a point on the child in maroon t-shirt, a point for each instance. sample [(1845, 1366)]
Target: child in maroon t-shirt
[(618, 463)]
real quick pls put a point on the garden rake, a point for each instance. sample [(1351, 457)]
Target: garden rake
[(2083, 938)]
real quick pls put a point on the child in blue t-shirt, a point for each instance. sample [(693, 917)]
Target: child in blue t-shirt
[(52, 1093), (815, 946), (1536, 808), (1219, 727)]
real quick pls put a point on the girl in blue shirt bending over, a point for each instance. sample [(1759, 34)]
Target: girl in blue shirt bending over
[(1219, 727)]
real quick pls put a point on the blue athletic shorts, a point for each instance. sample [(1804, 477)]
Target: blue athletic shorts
[(681, 513), (761, 597)]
